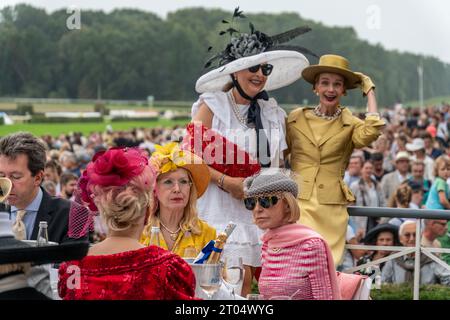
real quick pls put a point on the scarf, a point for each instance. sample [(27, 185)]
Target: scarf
[(408, 265), (292, 234), (254, 117)]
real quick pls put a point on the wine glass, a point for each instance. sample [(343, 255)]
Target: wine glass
[(210, 278), (233, 273)]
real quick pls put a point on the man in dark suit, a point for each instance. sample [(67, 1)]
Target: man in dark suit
[(22, 160)]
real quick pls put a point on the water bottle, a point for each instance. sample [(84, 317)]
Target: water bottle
[(377, 278), (378, 282), (155, 237), (42, 237)]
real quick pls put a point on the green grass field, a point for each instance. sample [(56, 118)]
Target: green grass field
[(80, 107), (85, 128), (429, 102)]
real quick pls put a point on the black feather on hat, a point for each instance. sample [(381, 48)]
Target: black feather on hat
[(245, 45)]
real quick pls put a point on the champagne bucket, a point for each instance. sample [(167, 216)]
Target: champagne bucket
[(197, 269)]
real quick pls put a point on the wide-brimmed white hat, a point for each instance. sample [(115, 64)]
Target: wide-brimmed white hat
[(246, 50), (287, 68), (417, 144)]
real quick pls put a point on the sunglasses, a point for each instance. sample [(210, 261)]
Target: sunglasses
[(265, 68), (265, 202)]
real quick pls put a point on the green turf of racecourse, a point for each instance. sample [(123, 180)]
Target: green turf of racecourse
[(56, 129)]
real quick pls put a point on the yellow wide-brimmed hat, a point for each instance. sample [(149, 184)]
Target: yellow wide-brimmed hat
[(5, 188), (331, 63), (170, 157)]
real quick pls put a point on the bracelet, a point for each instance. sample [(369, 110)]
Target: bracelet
[(376, 114), (220, 181)]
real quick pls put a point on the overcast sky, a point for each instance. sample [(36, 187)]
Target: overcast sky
[(416, 26)]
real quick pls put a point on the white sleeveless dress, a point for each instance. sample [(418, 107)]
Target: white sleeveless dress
[(217, 207)]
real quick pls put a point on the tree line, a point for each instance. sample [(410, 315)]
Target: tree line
[(131, 54)]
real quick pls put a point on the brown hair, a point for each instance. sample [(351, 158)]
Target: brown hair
[(25, 143), (66, 177), (401, 197)]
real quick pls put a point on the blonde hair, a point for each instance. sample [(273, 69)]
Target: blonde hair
[(122, 207), (294, 209), (438, 163), (189, 221)]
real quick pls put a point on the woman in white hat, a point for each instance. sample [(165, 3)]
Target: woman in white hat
[(235, 105), (321, 140)]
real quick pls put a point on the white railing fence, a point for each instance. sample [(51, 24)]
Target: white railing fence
[(418, 214)]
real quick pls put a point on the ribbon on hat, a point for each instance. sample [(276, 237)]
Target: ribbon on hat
[(168, 157), (206, 252), (254, 117)]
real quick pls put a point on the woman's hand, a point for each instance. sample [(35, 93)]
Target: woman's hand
[(366, 83), (235, 186)]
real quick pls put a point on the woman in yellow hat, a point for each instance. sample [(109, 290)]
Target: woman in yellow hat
[(321, 140), (182, 178)]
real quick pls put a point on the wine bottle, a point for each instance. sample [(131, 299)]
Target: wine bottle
[(220, 243)]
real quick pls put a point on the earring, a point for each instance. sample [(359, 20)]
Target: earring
[(317, 94)]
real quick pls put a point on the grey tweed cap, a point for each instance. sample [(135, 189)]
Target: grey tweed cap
[(268, 184)]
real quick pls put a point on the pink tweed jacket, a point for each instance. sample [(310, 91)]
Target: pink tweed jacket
[(297, 262)]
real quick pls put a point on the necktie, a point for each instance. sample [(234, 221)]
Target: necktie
[(18, 227)]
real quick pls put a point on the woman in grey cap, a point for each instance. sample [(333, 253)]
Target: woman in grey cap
[(296, 261)]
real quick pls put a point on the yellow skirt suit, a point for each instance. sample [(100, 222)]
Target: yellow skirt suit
[(320, 150)]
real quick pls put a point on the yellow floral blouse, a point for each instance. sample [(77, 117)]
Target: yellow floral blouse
[(188, 239)]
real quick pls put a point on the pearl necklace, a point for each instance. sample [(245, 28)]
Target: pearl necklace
[(236, 111), (173, 234), (321, 114)]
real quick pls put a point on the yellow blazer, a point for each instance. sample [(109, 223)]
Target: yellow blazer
[(188, 239), (324, 162)]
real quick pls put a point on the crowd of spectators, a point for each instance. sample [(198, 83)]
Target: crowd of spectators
[(407, 167)]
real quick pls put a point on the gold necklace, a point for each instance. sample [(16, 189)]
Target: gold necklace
[(321, 114), (172, 234)]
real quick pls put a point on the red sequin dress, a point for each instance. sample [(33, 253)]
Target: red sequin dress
[(150, 273)]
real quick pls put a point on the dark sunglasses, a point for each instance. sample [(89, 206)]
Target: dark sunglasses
[(265, 202), (265, 68)]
